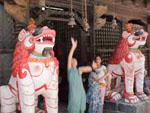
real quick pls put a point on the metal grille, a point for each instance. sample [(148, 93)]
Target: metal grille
[(106, 39), (63, 38), (146, 52)]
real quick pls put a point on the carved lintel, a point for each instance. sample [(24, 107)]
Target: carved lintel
[(126, 11), (16, 11), (66, 4), (22, 2)]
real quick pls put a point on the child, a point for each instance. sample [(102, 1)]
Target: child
[(77, 96), (103, 74), (93, 94), (97, 87)]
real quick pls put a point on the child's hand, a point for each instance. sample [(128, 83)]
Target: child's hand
[(74, 43), (108, 87), (106, 72)]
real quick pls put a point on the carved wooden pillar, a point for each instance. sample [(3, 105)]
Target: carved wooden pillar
[(136, 1), (83, 57), (127, 2), (147, 4), (148, 43)]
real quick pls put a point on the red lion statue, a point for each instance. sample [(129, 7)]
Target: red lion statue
[(34, 72), (128, 62)]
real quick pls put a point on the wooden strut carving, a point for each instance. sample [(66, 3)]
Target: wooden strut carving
[(17, 10), (99, 11)]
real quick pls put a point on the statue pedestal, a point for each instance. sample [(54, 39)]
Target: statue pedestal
[(122, 107)]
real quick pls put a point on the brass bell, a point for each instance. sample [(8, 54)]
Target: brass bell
[(85, 25), (99, 23), (114, 23), (72, 22)]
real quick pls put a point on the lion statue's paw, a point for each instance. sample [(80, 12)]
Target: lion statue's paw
[(116, 96), (113, 96), (132, 99), (143, 96)]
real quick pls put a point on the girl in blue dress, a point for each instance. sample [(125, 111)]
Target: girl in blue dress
[(97, 87), (93, 94)]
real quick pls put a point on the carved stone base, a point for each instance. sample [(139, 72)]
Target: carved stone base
[(122, 107)]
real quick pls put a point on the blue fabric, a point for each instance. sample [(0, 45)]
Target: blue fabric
[(77, 96), (93, 95)]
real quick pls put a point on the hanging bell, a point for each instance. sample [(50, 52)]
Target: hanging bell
[(114, 23), (85, 25), (99, 23), (72, 22)]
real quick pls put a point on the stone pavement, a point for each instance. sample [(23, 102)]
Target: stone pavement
[(62, 108), (119, 107), (122, 107)]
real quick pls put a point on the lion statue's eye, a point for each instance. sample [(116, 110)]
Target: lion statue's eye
[(37, 31), (39, 40), (138, 32)]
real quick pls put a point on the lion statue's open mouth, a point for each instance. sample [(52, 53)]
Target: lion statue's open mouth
[(48, 51)]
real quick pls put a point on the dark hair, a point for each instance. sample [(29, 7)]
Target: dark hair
[(97, 55), (137, 21)]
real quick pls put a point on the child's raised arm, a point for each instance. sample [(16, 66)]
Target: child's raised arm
[(85, 69), (74, 45)]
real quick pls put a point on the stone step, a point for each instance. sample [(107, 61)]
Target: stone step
[(123, 107), (107, 111)]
